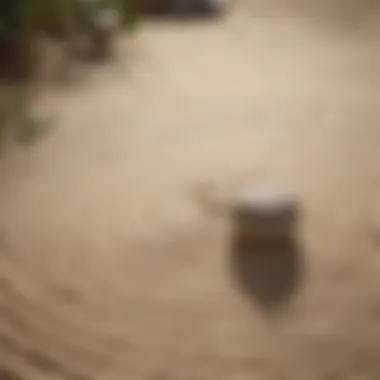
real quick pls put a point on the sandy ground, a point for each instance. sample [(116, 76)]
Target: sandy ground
[(114, 265)]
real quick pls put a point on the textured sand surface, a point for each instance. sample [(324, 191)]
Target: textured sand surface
[(112, 264)]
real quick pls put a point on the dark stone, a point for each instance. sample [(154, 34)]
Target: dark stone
[(264, 216)]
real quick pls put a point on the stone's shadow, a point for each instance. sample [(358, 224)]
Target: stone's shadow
[(182, 10), (182, 17), (269, 277)]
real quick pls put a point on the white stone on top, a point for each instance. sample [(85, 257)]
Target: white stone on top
[(265, 200)]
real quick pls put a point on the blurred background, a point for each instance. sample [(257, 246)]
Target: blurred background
[(125, 128)]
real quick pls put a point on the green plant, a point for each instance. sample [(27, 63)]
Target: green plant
[(22, 20), (56, 16), (129, 13), (27, 16), (18, 121), (90, 10)]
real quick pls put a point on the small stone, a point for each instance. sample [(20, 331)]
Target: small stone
[(264, 216)]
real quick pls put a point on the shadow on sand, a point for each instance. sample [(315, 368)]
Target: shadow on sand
[(182, 18), (269, 277)]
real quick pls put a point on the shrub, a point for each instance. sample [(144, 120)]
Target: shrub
[(22, 20), (56, 16), (18, 122)]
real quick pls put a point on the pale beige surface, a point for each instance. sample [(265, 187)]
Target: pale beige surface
[(113, 266)]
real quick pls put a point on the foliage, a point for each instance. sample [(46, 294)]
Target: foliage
[(56, 16), (129, 13), (18, 121), (20, 22)]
